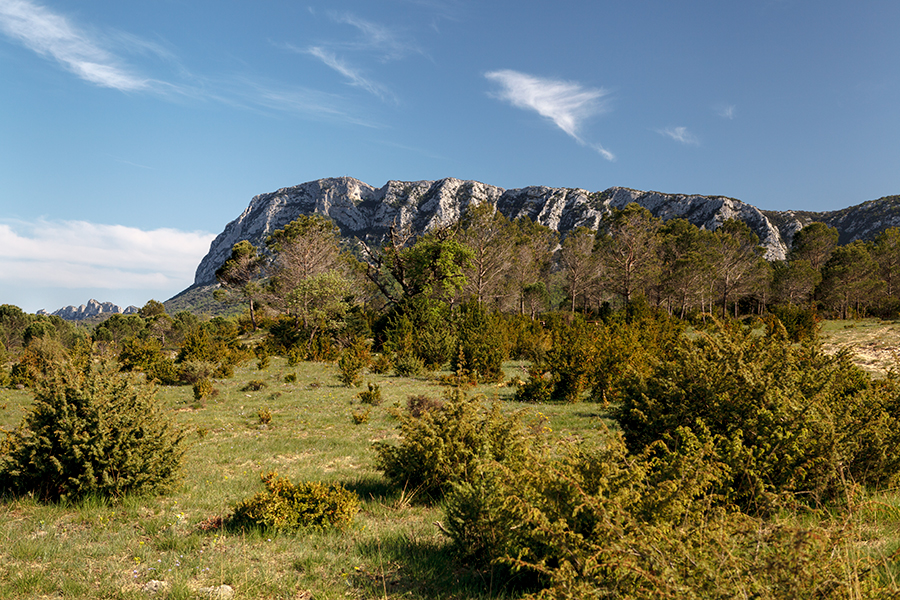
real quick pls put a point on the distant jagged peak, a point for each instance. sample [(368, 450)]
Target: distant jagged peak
[(93, 308)]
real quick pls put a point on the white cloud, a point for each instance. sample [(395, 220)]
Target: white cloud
[(726, 111), (679, 134), (384, 40), (565, 103), (356, 78), (89, 57), (78, 254), (52, 35)]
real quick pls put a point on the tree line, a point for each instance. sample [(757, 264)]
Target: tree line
[(525, 268)]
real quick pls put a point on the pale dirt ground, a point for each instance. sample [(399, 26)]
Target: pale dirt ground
[(875, 343)]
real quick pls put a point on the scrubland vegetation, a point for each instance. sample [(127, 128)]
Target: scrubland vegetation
[(473, 414)]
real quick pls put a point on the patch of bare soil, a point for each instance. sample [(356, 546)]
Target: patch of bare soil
[(874, 344)]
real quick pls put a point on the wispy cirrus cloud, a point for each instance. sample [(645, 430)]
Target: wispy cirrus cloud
[(375, 41), (679, 134), (385, 42), (726, 111), (566, 103), (353, 74), (53, 36), (89, 56), (78, 254)]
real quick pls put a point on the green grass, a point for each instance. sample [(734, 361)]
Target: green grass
[(98, 549)]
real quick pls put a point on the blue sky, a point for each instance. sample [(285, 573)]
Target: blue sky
[(132, 132)]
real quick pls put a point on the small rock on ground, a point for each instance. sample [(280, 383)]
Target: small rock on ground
[(219, 592), (155, 585)]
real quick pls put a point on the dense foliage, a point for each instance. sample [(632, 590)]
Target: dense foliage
[(92, 431), (785, 419), (444, 444), (286, 506)]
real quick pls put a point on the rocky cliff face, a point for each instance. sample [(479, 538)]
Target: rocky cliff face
[(91, 309), (860, 222), (366, 213)]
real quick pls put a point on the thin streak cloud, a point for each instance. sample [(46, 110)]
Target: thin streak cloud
[(53, 36), (679, 134), (565, 103), (376, 37), (356, 78)]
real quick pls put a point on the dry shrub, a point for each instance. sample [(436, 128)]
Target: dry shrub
[(288, 507)]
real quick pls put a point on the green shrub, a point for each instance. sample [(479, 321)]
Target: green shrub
[(286, 506), (361, 416), (423, 329), (539, 387), (92, 432), (254, 385), (202, 388), (295, 356), (265, 416), (442, 445), (527, 339), (192, 371), (569, 362), (381, 364), (604, 523), (164, 371), (214, 343), (801, 323), (480, 344), (350, 367), (139, 354), (407, 364), (39, 359), (789, 421), (372, 395), (290, 378)]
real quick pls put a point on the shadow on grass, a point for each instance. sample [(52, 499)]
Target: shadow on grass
[(371, 487), (399, 565)]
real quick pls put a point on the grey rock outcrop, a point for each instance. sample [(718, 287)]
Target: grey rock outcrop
[(366, 213), (860, 222), (91, 309)]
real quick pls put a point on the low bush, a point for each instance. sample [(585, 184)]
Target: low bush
[(790, 422), (800, 323), (351, 364), (443, 444), (94, 431), (286, 506), (381, 364), (407, 364), (202, 388), (361, 416), (609, 524), (254, 385), (420, 404), (372, 395)]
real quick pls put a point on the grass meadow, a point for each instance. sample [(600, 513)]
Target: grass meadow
[(96, 549), (394, 549)]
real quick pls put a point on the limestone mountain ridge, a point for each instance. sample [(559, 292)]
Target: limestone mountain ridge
[(366, 213)]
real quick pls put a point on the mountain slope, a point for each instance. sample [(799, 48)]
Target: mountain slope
[(366, 213)]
